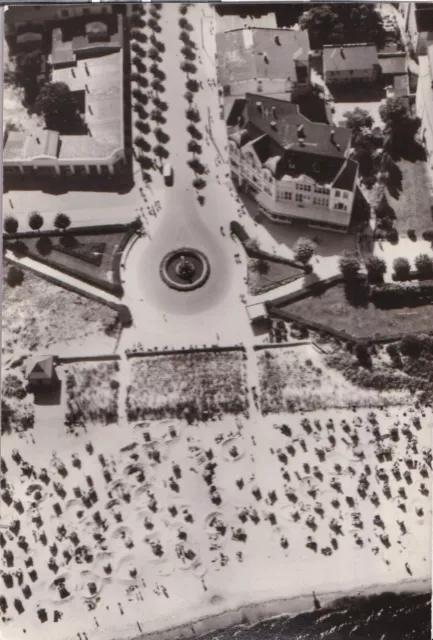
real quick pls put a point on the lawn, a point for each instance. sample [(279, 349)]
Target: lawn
[(91, 257), (298, 379), (92, 393), (194, 386), (412, 202), (264, 275), (332, 309), (38, 315)]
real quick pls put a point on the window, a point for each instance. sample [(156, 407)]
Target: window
[(345, 195), (337, 194), (298, 197)]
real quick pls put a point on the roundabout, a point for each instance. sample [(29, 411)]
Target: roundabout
[(185, 269)]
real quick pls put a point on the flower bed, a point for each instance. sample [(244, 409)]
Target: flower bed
[(92, 393), (91, 253)]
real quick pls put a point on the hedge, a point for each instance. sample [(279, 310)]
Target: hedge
[(74, 231), (408, 294)]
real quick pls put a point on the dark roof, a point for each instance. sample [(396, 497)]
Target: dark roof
[(424, 16), (349, 57), (245, 54), (315, 138), (237, 109), (346, 178)]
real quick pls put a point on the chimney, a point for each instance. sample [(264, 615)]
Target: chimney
[(273, 125), (300, 130), (38, 141), (342, 52), (332, 136), (265, 57), (277, 41), (274, 113), (259, 106)]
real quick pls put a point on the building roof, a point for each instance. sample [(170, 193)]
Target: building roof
[(393, 63), (245, 54), (40, 368), (237, 110), (349, 57), (99, 79), (346, 178), (282, 121), (424, 16)]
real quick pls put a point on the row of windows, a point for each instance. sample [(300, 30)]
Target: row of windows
[(321, 201), (303, 187), (322, 189), (339, 194)]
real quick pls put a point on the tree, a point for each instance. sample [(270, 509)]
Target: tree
[(411, 345), (62, 221), (192, 85), (304, 250), (376, 268), (138, 49), (184, 24), (140, 96), (10, 224), (44, 246), (349, 265), (401, 268), (189, 97), (143, 127), (194, 132), (15, 276), (183, 9), (153, 24), (197, 166), (137, 21), (157, 86), (157, 116), (160, 104), (184, 36), (192, 114), (363, 354), (194, 147), (57, 104), (160, 135), (323, 25), (199, 183), (424, 265), (261, 266), (153, 53), (188, 53), (141, 143), (394, 354), (160, 151), (400, 125), (188, 67), (28, 68), (35, 220), (357, 119), (138, 35)]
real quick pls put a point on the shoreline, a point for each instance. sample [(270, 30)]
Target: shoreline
[(255, 612)]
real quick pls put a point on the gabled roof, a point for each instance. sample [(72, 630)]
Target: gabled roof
[(237, 109), (393, 64), (346, 178), (282, 121), (246, 54), (40, 368), (352, 57)]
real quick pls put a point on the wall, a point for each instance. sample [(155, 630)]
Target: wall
[(360, 75)]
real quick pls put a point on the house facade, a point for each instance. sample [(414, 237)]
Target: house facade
[(293, 168), (424, 103), (349, 63), (263, 60)]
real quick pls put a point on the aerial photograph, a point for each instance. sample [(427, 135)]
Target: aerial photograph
[(217, 321)]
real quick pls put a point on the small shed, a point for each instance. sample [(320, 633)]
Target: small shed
[(257, 312), (41, 374)]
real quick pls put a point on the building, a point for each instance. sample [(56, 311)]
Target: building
[(350, 63), (424, 103), (26, 17), (417, 25), (88, 57), (263, 60), (41, 374), (394, 72), (293, 168)]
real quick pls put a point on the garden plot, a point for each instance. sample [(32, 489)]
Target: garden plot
[(92, 391), (195, 386), (298, 379), (154, 520), (38, 315)]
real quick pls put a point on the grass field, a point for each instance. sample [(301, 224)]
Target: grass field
[(264, 275), (332, 309), (39, 315), (92, 393)]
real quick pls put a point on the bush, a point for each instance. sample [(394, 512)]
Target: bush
[(363, 354), (44, 246), (376, 268), (389, 296), (35, 221), (199, 183), (62, 221), (15, 276), (411, 345), (428, 235), (10, 224), (304, 250), (424, 265), (350, 266), (401, 269)]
